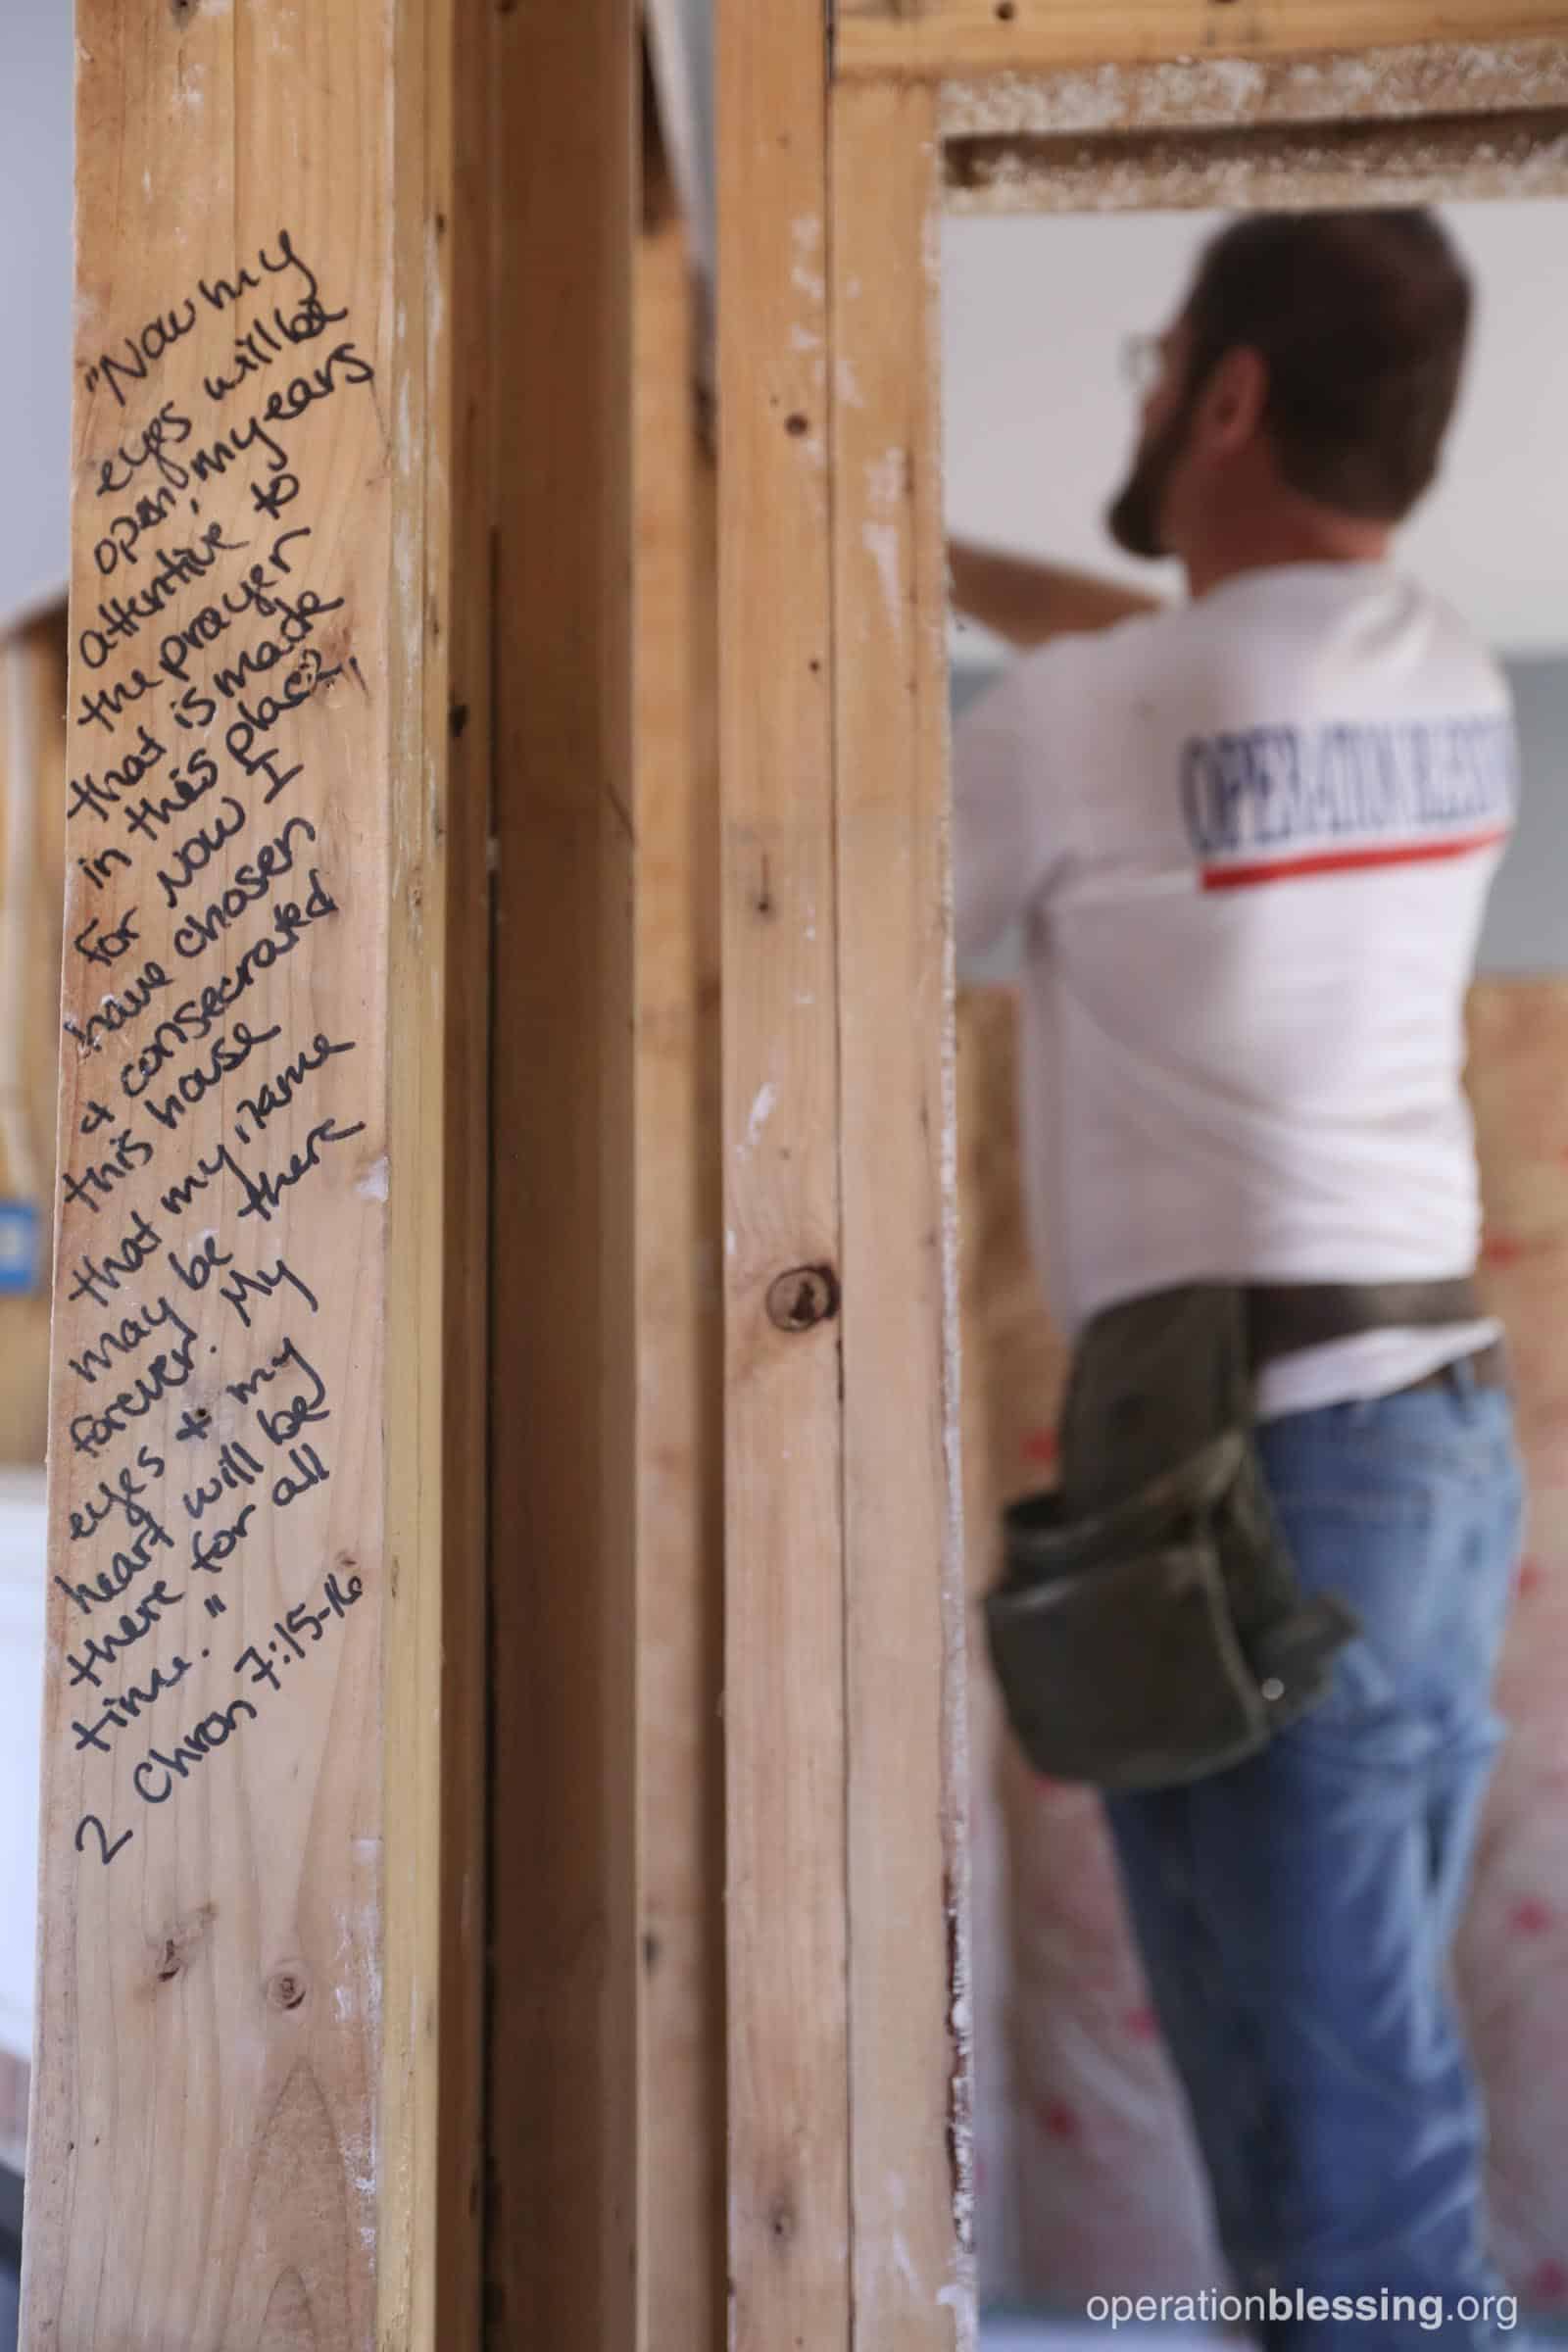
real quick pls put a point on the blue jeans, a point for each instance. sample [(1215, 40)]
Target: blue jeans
[(1295, 1912)]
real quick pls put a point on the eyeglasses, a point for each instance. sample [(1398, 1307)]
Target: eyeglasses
[(1142, 360)]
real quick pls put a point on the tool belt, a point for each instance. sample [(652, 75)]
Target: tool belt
[(1149, 1627)]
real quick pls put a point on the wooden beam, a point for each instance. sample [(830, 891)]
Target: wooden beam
[(1439, 79), (563, 2069), (784, 1697), (1464, 158), (934, 39), (679, 1319), (255, 2108), (904, 1695)]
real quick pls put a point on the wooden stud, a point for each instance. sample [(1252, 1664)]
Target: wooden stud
[(432, 2073), (848, 2081), (563, 2056), (784, 1693), (932, 40), (679, 1315), (255, 2111), (905, 1668)]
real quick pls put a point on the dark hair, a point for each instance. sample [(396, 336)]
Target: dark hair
[(1362, 319)]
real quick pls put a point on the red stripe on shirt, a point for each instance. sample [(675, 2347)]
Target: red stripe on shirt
[(1340, 862)]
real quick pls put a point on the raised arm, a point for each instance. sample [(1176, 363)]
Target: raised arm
[(1028, 602)]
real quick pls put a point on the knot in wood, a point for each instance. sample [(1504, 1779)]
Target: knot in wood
[(286, 1988), (804, 1296)]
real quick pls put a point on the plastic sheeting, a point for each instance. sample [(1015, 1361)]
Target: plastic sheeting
[(1087, 2182)]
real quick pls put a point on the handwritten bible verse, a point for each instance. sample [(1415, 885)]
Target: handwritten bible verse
[(219, 1151)]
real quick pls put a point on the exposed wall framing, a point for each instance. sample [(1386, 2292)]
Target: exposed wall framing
[(839, 1578)]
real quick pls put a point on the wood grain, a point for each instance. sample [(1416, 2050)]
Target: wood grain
[(1444, 79), (432, 2074), (790, 2263), (1512, 157), (679, 1319), (259, 1495), (904, 1676), (932, 40)]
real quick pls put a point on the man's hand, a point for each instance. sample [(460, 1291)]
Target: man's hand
[(1028, 602)]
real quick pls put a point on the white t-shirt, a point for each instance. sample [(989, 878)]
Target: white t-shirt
[(1251, 839)]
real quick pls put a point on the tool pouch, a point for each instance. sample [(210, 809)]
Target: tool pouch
[(1148, 1628)]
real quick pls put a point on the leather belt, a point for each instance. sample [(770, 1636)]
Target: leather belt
[(1284, 1317)]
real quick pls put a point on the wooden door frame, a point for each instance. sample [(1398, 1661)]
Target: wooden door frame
[(848, 2027)]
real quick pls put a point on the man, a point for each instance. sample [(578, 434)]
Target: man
[(1251, 839)]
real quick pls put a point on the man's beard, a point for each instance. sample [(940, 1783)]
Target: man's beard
[(1134, 515)]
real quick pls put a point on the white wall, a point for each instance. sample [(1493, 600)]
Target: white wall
[(1038, 423), (37, 65)]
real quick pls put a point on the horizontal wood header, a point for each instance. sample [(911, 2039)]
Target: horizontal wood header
[(936, 40), (1267, 169), (1431, 81)]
